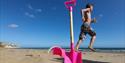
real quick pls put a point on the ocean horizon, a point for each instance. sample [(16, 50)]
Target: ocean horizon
[(98, 49)]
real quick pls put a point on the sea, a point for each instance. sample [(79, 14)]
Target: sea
[(105, 50)]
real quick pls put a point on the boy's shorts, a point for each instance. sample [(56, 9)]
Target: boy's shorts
[(86, 29)]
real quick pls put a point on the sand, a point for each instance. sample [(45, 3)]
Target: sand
[(42, 56)]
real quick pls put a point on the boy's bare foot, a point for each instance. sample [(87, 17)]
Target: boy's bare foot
[(92, 49)]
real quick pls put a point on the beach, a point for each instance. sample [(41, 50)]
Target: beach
[(42, 56)]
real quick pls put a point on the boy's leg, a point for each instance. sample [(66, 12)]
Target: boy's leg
[(91, 43), (78, 44), (81, 38), (93, 35)]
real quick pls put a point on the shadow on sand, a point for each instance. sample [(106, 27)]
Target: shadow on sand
[(91, 61), (84, 61)]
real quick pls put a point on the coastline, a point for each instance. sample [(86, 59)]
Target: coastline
[(102, 50)]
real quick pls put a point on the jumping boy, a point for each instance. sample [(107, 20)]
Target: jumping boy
[(86, 28)]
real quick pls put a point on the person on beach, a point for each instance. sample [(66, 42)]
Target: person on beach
[(86, 28)]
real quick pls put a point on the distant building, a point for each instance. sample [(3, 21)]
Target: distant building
[(1, 44), (7, 45)]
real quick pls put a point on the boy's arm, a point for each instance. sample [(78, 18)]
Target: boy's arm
[(82, 12), (93, 20)]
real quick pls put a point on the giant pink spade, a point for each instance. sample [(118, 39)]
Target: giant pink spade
[(72, 56)]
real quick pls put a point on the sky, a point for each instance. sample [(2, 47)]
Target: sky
[(45, 23)]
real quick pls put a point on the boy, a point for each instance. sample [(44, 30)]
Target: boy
[(86, 28)]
